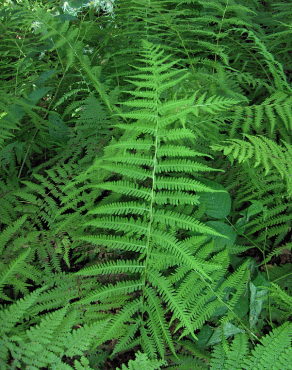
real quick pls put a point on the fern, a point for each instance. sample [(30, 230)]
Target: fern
[(141, 361), (136, 248), (275, 110), (33, 337), (274, 351), (46, 343), (262, 151), (281, 298), (141, 225)]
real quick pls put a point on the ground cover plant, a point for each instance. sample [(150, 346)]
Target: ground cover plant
[(145, 184)]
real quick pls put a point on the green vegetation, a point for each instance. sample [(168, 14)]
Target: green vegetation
[(145, 184)]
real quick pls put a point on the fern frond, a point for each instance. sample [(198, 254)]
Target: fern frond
[(274, 109), (8, 274), (11, 315), (142, 362), (104, 292), (239, 349), (262, 151), (274, 351), (128, 342), (113, 267), (281, 297)]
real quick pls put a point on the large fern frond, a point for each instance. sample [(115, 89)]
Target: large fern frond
[(151, 169)]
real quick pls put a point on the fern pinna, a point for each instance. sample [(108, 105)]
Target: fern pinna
[(169, 275)]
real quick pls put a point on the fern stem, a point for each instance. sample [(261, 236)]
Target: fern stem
[(220, 28), (268, 276), (150, 211), (26, 154)]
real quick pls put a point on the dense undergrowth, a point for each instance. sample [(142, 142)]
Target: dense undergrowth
[(145, 184)]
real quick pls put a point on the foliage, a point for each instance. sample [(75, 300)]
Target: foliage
[(275, 351), (145, 154)]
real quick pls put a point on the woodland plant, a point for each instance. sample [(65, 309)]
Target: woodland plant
[(145, 158)]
